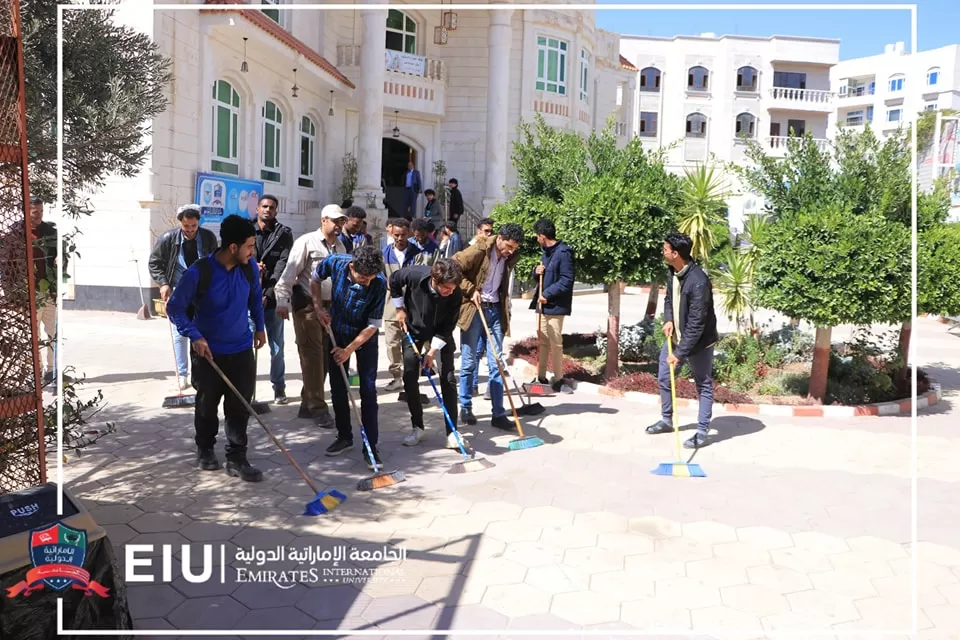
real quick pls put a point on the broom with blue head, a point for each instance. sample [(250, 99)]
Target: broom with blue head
[(679, 468)]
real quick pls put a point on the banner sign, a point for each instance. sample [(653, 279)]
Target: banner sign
[(405, 63), (220, 196)]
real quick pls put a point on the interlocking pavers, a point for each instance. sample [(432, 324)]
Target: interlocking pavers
[(722, 617), (717, 572), (471, 616), (709, 532), (493, 571), (495, 511), (116, 514), (621, 585), (801, 560), (593, 559), (558, 579), (754, 600), (209, 531), (275, 617), (546, 517), (687, 593), (651, 614), (880, 613), (654, 566), (450, 590), (515, 600), (514, 531), (683, 549), (862, 564), (152, 600), (877, 547), (260, 595), (628, 544), (540, 622), (585, 607), (401, 612), (602, 521), (846, 583), (216, 612), (568, 537), (533, 554), (819, 543), (818, 605), (742, 553)]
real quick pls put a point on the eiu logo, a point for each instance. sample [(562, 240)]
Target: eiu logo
[(25, 511), (57, 554)]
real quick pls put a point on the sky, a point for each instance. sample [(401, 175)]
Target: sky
[(861, 32)]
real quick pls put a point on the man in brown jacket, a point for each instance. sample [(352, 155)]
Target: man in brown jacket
[(486, 266)]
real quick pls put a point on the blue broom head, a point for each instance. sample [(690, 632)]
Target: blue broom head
[(679, 470), (527, 442), (324, 502)]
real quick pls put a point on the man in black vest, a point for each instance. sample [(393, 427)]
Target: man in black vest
[(691, 324), (274, 242)]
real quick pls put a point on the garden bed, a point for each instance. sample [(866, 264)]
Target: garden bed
[(763, 367)]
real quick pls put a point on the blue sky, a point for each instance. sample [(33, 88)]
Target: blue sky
[(861, 33)]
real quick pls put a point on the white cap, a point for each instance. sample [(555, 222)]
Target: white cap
[(332, 211)]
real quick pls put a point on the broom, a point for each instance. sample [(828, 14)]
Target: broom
[(179, 400), (379, 479), (538, 388), (259, 408), (470, 463), (523, 442), (679, 468), (324, 501)]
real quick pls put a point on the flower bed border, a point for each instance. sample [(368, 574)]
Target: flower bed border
[(523, 369)]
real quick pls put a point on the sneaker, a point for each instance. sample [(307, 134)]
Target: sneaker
[(394, 385), (280, 396), (452, 442), (339, 446), (467, 417), (184, 383), (376, 457), (305, 413), (207, 460), (659, 427), (486, 394), (243, 470), (697, 441), (417, 434), (503, 423), (323, 419)]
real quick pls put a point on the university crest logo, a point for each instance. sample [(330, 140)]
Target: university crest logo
[(57, 554)]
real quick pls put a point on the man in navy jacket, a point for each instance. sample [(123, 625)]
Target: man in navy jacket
[(555, 301)]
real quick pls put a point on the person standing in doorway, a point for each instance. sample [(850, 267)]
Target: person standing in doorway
[(555, 301), (456, 202), (396, 255), (413, 186), (174, 252), (690, 323), (212, 305), (486, 266), (273, 242), (294, 295)]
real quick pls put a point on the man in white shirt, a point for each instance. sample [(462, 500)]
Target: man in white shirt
[(293, 294)]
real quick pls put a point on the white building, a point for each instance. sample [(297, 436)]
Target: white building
[(281, 97), (707, 94)]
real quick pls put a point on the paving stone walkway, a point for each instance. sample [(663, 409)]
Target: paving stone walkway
[(803, 525)]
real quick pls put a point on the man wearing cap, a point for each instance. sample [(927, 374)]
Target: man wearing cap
[(172, 255), (294, 297)]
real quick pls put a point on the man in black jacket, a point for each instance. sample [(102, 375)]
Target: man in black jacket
[(691, 324), (274, 241), (174, 252), (456, 201), (555, 301), (428, 301)]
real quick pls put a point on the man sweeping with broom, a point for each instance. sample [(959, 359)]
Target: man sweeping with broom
[(690, 325), (428, 301)]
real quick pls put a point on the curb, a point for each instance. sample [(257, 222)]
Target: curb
[(897, 407)]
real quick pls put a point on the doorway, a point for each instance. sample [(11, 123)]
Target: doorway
[(393, 173)]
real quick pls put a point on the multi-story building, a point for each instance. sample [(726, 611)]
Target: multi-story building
[(707, 95), (273, 100)]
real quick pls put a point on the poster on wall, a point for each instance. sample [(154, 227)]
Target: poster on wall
[(405, 62), (220, 196)]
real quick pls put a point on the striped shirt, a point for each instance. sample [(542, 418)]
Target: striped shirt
[(353, 306)]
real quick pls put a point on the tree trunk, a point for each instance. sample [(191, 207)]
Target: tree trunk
[(612, 368), (653, 297), (821, 364), (906, 329)]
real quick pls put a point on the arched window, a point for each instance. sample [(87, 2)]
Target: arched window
[(401, 32), (272, 117), (747, 79), (746, 126), (225, 156), (933, 76), (696, 125), (308, 151), (698, 79), (896, 83), (650, 79)]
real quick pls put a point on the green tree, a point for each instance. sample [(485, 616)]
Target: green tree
[(703, 209), (938, 267)]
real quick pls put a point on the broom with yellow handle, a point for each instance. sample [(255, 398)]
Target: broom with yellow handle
[(679, 468)]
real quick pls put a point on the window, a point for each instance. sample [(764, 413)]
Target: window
[(619, 94), (696, 125), (308, 151), (869, 114), (551, 65), (746, 126), (401, 32), (650, 79), (226, 126), (854, 118), (896, 83), (698, 79), (930, 106), (789, 80), (648, 124), (746, 79), (584, 83), (893, 115), (933, 76), (273, 14), (272, 134)]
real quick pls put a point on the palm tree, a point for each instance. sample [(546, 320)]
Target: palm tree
[(735, 284), (703, 205)]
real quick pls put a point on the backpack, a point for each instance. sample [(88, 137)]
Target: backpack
[(203, 283)]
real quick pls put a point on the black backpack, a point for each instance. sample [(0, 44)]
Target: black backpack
[(206, 273)]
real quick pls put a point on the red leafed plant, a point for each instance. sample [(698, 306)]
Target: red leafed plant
[(527, 350), (644, 382)]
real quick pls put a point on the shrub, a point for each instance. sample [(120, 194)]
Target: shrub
[(793, 344), (741, 361), (633, 341), (646, 383), (528, 351)]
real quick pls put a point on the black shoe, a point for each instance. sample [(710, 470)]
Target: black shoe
[(323, 419), (697, 441), (339, 447), (659, 427), (305, 412), (376, 457), (503, 423), (467, 417), (280, 396), (207, 460), (243, 470)]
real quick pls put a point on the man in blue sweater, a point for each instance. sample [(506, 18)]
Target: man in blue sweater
[(554, 302), (210, 306)]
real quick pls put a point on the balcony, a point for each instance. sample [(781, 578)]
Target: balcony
[(777, 145), (412, 84), (802, 99)]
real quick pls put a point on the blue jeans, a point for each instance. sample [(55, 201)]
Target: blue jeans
[(701, 365), (469, 362), (274, 326), (181, 350), (367, 357), (479, 348)]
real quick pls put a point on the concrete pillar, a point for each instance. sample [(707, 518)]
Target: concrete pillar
[(370, 145), (499, 41)]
